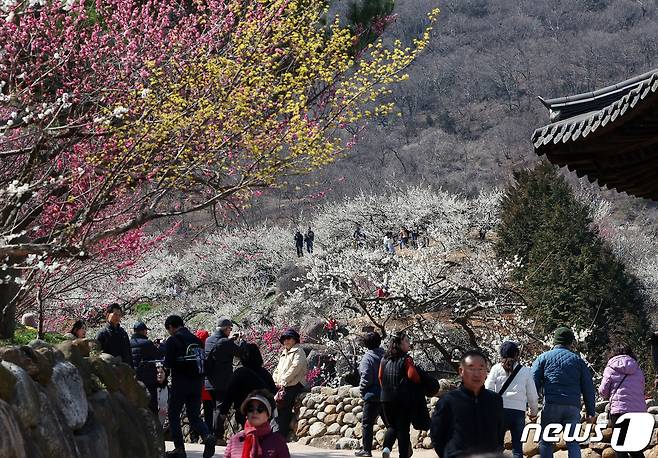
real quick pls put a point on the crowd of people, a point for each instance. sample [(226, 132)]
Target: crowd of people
[(198, 370), (470, 420), (473, 419)]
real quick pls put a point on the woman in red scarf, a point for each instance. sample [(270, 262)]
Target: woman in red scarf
[(257, 439)]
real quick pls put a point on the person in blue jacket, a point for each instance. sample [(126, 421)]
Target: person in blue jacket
[(563, 376), (370, 388)]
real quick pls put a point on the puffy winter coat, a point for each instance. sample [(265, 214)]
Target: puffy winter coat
[(273, 446), (629, 395), (292, 367), (563, 375), (223, 350), (114, 340), (144, 354), (368, 370), (521, 392)]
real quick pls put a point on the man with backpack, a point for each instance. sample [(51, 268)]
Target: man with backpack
[(185, 357), (221, 347)]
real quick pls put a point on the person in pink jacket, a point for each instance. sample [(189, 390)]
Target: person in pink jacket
[(257, 440), (623, 385)]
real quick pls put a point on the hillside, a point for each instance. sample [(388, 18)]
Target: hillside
[(470, 104)]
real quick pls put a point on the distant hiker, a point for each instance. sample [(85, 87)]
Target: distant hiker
[(359, 237), (308, 239), (404, 237), (257, 440), (623, 385), (331, 327), (144, 355), (113, 338), (78, 331), (184, 356), (370, 389), (245, 379), (290, 379), (299, 243), (389, 243), (221, 348), (469, 421), (563, 376), (414, 237), (515, 384)]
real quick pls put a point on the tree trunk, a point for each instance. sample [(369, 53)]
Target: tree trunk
[(7, 309)]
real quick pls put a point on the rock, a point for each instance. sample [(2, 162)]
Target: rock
[(330, 409), (608, 453), (321, 416), (653, 410), (348, 408), (12, 444), (26, 396), (344, 391), (51, 426), (92, 440), (530, 447), (349, 433), (35, 364), (317, 429), (350, 419), (355, 392), (7, 384), (427, 443), (444, 387), (345, 443), (101, 405), (70, 393), (83, 346), (589, 453), (324, 441), (508, 441), (379, 436), (340, 418), (561, 454), (333, 429), (358, 430), (340, 407), (313, 420), (357, 409), (331, 419), (133, 390), (343, 429), (598, 446), (304, 440), (327, 391), (104, 371), (331, 400)]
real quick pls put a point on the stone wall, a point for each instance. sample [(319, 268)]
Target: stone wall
[(61, 402), (331, 418)]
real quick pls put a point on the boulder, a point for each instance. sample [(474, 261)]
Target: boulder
[(12, 444), (100, 404), (331, 419), (320, 416), (355, 393), (70, 393), (35, 364), (304, 440), (26, 396), (324, 441), (330, 408), (92, 440), (328, 391), (344, 391), (350, 419), (7, 384), (608, 453), (92, 381), (49, 427), (589, 453), (132, 389), (345, 443), (317, 429), (333, 428), (104, 371)]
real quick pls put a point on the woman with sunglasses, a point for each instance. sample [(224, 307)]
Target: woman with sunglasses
[(257, 440)]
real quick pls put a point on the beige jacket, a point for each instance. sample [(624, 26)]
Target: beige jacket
[(292, 367)]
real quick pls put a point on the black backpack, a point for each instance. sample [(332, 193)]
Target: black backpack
[(194, 358), (210, 365)]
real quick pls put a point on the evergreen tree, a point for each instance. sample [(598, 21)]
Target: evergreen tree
[(565, 270)]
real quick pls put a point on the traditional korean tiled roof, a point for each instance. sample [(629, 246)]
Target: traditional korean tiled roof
[(609, 135)]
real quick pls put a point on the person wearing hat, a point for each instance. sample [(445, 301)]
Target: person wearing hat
[(113, 339), (290, 379), (564, 377), (221, 347), (515, 384), (257, 440), (144, 355)]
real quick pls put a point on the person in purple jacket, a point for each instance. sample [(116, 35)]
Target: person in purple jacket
[(257, 440), (623, 385)]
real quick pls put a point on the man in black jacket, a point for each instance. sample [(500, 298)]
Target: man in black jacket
[(370, 389), (469, 420), (182, 353), (113, 338), (144, 355), (221, 348)]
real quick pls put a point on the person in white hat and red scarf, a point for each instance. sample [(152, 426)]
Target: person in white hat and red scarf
[(257, 440)]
